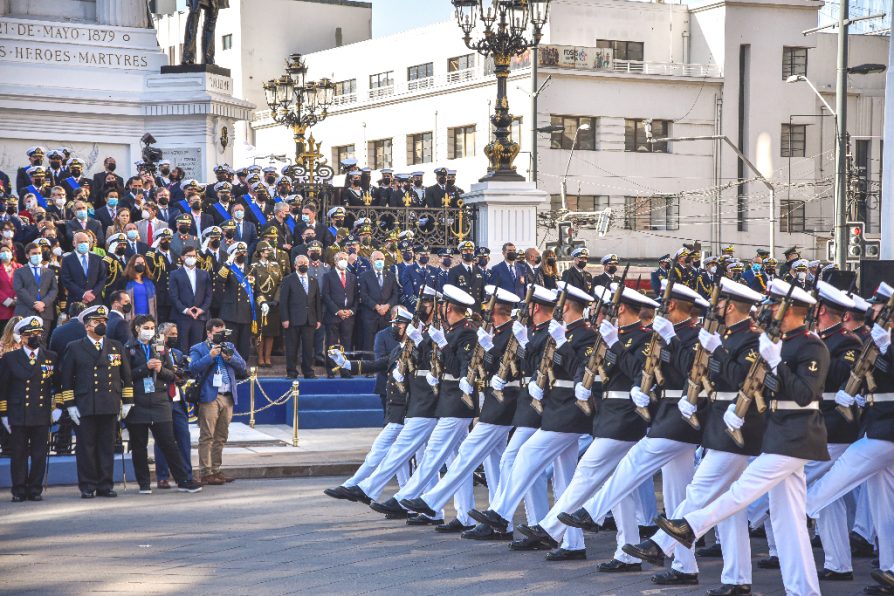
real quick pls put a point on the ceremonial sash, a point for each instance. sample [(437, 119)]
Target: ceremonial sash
[(184, 205), (262, 219), (243, 281), (290, 221), (223, 212), (40, 199), (73, 184), (334, 231)]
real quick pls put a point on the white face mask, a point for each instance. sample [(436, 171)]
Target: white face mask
[(239, 214), (57, 251), (145, 214), (712, 269), (802, 276), (147, 334), (60, 203), (342, 264), (8, 233), (17, 338), (190, 261)]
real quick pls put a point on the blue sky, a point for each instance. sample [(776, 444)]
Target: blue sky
[(392, 16)]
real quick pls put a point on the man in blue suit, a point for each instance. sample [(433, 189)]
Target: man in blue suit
[(83, 273), (508, 274), (217, 365), (245, 230), (190, 291)]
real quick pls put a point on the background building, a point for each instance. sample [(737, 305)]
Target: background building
[(421, 99)]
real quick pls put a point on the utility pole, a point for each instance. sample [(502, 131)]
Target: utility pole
[(534, 94), (839, 230), (886, 215)]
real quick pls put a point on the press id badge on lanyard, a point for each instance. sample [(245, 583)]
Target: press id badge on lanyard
[(217, 379)]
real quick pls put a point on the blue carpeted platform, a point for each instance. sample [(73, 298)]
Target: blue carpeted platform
[(63, 471), (322, 403)]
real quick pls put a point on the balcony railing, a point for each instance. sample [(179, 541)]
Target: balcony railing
[(426, 83), (381, 92), (602, 60), (672, 69), (339, 100), (458, 76)]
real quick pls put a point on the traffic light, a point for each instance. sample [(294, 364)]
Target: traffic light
[(872, 249), (855, 240), (566, 234)]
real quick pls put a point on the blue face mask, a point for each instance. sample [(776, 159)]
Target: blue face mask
[(113, 201), (379, 265), (132, 235), (756, 267), (81, 214), (5, 256), (423, 260), (305, 218), (35, 260), (83, 247), (408, 256)]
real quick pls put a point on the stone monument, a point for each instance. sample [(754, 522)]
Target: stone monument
[(88, 75)]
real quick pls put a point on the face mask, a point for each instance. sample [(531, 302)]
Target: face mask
[(60, 203), (132, 235), (17, 338), (379, 265), (126, 308), (30, 205), (352, 251), (147, 334), (83, 247), (172, 342), (100, 329), (81, 214), (120, 249), (57, 250), (551, 261), (468, 257), (35, 259), (215, 244), (239, 214), (164, 244), (314, 256), (302, 268), (537, 260), (511, 255), (190, 261), (111, 167), (342, 264), (802, 276), (164, 171), (305, 218), (144, 214), (240, 259), (366, 241), (423, 260), (756, 268), (407, 256), (417, 183), (223, 199), (8, 233), (611, 269), (90, 211), (5, 256), (11, 209), (270, 179), (139, 268), (580, 264), (712, 269), (395, 333), (183, 229), (482, 261), (195, 206), (112, 201), (163, 200), (446, 262), (33, 341)]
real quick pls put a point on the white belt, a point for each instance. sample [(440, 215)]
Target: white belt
[(883, 397), (828, 397), (513, 384), (725, 396), (446, 377), (616, 395), (422, 373), (564, 384), (790, 405)]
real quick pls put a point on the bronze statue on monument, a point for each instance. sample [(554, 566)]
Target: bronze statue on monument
[(196, 7)]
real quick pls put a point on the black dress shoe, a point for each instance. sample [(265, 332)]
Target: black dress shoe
[(616, 566), (768, 563), (884, 578), (678, 529), (389, 506), (108, 494), (710, 552), (730, 590), (579, 519), (647, 531), (338, 492), (647, 550), (561, 554), (292, 375), (87, 494), (609, 525), (526, 544), (816, 542), (17, 499), (398, 515), (453, 527), (418, 505), (483, 532), (758, 532), (356, 494), (421, 520), (535, 532), (35, 498), (700, 542), (860, 547), (310, 375), (490, 518), (835, 576), (675, 578), (877, 589)]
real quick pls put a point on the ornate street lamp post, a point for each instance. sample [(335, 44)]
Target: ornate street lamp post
[(507, 24), (300, 104)]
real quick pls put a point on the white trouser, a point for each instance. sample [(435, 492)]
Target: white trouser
[(832, 526), (536, 500), (413, 435), (376, 454), (863, 524), (542, 449), (646, 504), (443, 444), (871, 461), (677, 462), (593, 469), (783, 476), (485, 444), (713, 476)]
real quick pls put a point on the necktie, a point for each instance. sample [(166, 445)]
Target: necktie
[(84, 264), (304, 283), (512, 272), (343, 282), (379, 275), (98, 346), (37, 279), (149, 234)]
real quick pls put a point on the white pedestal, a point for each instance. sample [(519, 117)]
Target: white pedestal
[(507, 212)]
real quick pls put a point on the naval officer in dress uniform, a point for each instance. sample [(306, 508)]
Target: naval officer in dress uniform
[(28, 377), (577, 275), (96, 389)]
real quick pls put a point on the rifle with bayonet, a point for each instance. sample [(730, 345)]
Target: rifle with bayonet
[(652, 374), (545, 375), (405, 364), (752, 389), (476, 373), (862, 370), (596, 363), (435, 368), (508, 365), (698, 374)]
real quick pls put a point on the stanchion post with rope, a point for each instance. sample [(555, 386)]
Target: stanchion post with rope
[(252, 379), (294, 413)]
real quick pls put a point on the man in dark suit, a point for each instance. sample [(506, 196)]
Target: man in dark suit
[(339, 291), (300, 307), (36, 289), (378, 293), (35, 158), (507, 274), (167, 211), (118, 327), (83, 223), (199, 220), (466, 276), (245, 230), (235, 304), (83, 273), (99, 181), (190, 291), (434, 194), (133, 244), (107, 213)]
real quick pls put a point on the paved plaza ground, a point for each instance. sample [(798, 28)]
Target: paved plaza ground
[(285, 537)]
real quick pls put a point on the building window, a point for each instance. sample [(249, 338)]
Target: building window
[(792, 216), (794, 62), (419, 148), (382, 79), (461, 142), (793, 140), (342, 153), (420, 71), (622, 50), (464, 62), (590, 203), (651, 213), (586, 139), (226, 42), (346, 87), (379, 154), (635, 138)]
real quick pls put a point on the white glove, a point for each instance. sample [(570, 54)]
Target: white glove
[(535, 391), (414, 334), (56, 415), (520, 332), (431, 379), (770, 352), (125, 410), (497, 384), (730, 418), (881, 337), (466, 387), (687, 409), (710, 341), (581, 393), (485, 339), (586, 313), (231, 259), (339, 359), (861, 401), (842, 398), (608, 332), (395, 374), (639, 398), (6, 424), (265, 308), (557, 332), (437, 336), (74, 414), (664, 328)]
